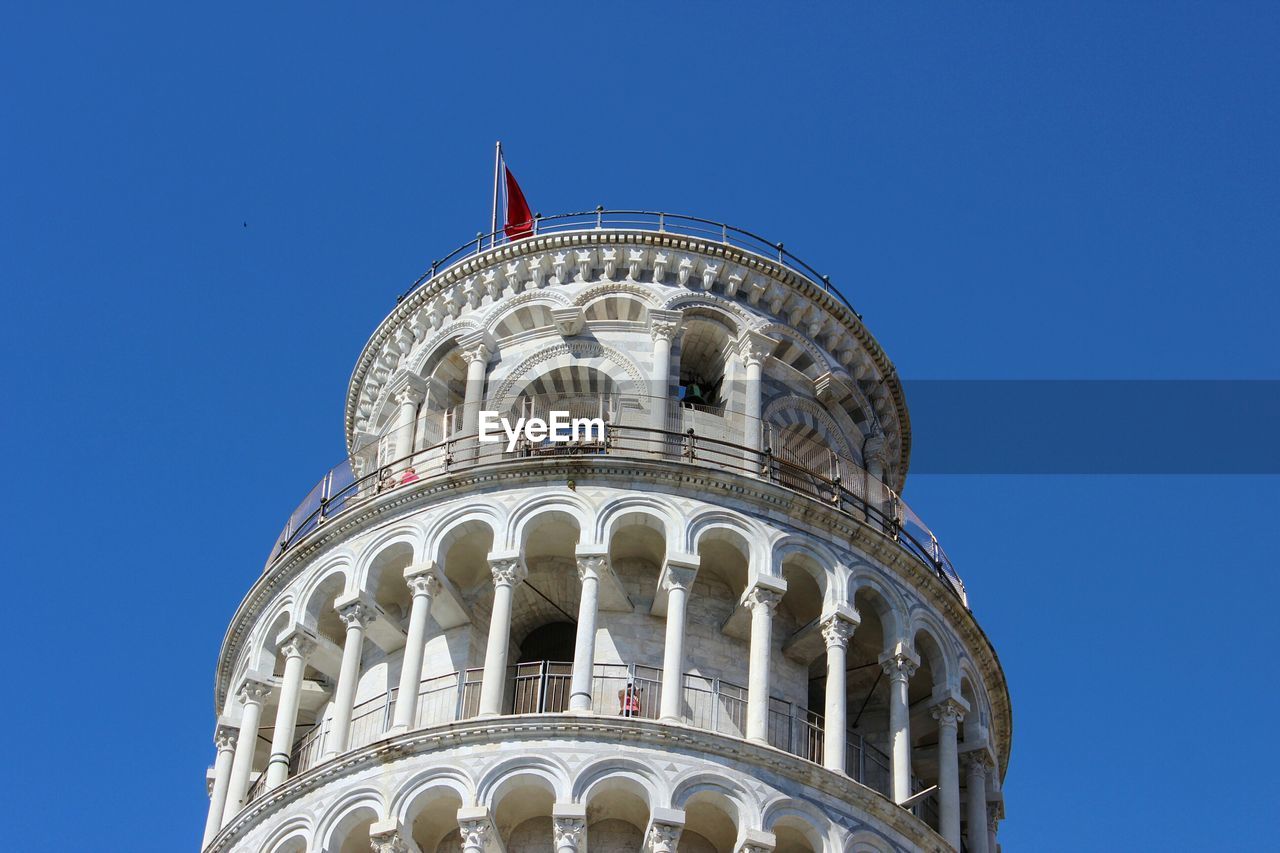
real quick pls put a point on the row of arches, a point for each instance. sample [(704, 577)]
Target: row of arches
[(617, 800), (637, 536)]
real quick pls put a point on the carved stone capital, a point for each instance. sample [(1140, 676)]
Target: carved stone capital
[(507, 571), (424, 583), (409, 395), (677, 579), (356, 614), (592, 566), (899, 665), (663, 838), (475, 833), (297, 644), (569, 832), (977, 763), (837, 629), (664, 325), (473, 351), (225, 737), (755, 347), (253, 690), (948, 712), (759, 597), (388, 841)]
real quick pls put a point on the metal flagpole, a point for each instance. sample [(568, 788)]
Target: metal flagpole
[(497, 164)]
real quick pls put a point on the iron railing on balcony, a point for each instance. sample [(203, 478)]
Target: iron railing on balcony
[(617, 690), (804, 467), (679, 224)]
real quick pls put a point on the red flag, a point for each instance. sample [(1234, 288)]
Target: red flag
[(519, 222)]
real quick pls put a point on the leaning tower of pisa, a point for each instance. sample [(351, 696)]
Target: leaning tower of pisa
[(705, 621)]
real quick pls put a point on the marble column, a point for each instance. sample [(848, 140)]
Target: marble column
[(761, 601), (356, 614), (663, 328), (976, 767), (949, 713), (837, 629), (676, 581), (407, 399), (252, 694), (755, 348), (423, 585), (584, 646), (295, 648), (508, 573), (225, 741), (476, 354), (899, 666)]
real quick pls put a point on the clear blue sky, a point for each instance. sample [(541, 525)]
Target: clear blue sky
[(1029, 190)]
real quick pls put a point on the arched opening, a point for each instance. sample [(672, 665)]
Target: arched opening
[(523, 813), (628, 668), (351, 833), (793, 835), (433, 821), (700, 360), (797, 704), (552, 642), (715, 681), (441, 413), (580, 390), (617, 814), (709, 824)]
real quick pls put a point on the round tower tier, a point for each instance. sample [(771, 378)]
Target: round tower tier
[(616, 560)]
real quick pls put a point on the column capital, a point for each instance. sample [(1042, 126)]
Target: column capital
[(875, 449), (296, 642), (755, 347), (977, 763), (384, 837), (507, 570), (663, 838), (900, 664), (568, 832), (592, 565), (423, 582), (476, 827), (476, 347), (760, 597), (679, 570), (757, 841), (355, 611), (664, 324), (408, 395), (253, 689), (838, 628), (225, 736), (949, 711)]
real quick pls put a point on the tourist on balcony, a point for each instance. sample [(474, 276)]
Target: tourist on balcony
[(629, 701), (409, 476)]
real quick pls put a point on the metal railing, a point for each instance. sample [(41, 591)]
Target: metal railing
[(812, 470), (678, 224), (617, 690)]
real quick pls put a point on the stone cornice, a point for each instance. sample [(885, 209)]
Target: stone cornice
[(700, 482), (661, 736), (387, 341)]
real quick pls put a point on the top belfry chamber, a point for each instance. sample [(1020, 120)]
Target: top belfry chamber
[(454, 637)]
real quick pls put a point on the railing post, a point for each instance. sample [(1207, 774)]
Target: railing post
[(662, 222), (689, 451), (780, 253), (537, 220), (599, 216), (479, 242)]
